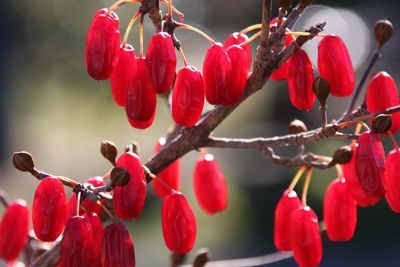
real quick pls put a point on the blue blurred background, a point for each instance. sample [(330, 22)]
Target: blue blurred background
[(51, 108)]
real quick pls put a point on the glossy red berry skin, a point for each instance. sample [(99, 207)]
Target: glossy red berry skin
[(123, 76), (370, 164), (393, 180), (188, 97), (88, 205), (340, 211), (209, 185), (334, 65), (178, 223), (102, 44), (129, 199), (14, 229), (300, 81), (161, 61), (353, 183), (170, 176), (283, 71), (141, 98), (239, 74), (237, 38), (97, 227), (288, 203), (382, 94), (306, 237), (49, 209), (118, 249), (78, 246)]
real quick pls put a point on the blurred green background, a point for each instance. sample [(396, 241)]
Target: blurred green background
[(53, 109)]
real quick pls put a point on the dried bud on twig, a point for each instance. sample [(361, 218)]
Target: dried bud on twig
[(321, 89), (202, 257), (132, 147), (109, 150), (382, 123), (383, 31), (342, 155), (23, 161), (119, 177), (297, 126)]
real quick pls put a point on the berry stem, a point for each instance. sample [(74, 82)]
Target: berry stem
[(356, 131), (251, 28), (118, 4), (203, 151), (305, 187), (282, 14), (170, 9), (191, 28), (251, 39), (107, 174), (339, 170), (183, 56), (98, 202), (141, 34), (394, 142), (175, 10), (296, 178), (305, 34), (4, 198), (128, 29), (78, 202)]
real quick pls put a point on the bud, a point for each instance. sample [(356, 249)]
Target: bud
[(202, 257), (321, 89), (132, 147), (382, 123), (297, 126), (342, 155), (119, 177), (383, 31), (23, 161), (109, 150), (305, 3), (285, 4)]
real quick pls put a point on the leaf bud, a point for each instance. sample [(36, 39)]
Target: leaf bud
[(23, 161), (109, 151), (119, 177), (297, 126), (321, 89), (382, 123), (383, 30)]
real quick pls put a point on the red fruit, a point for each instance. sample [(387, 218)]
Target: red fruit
[(141, 98), (123, 76), (353, 184), (49, 209), (209, 185), (118, 250), (382, 94), (393, 180), (178, 223), (188, 96), (14, 229), (102, 43), (78, 246), (88, 205), (370, 164), (334, 65), (340, 211), (98, 230), (237, 38), (239, 74), (170, 176), (288, 203), (283, 71), (161, 61), (306, 237), (129, 199), (300, 81)]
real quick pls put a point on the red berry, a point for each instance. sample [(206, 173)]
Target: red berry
[(237, 38), (209, 185), (353, 183), (188, 96), (129, 199), (239, 74), (141, 98), (382, 94), (123, 76), (283, 71), (300, 81), (88, 205), (98, 230), (170, 177), (118, 249), (392, 180), (288, 203), (334, 65), (161, 61), (49, 209), (340, 211), (78, 246), (178, 223), (306, 238), (14, 229), (102, 43), (370, 164)]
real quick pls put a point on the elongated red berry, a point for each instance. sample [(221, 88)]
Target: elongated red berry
[(161, 61), (353, 183), (178, 223), (306, 238), (123, 76), (237, 38), (169, 178), (288, 203), (300, 81), (78, 246), (102, 44), (340, 211), (141, 98), (283, 71), (129, 199), (188, 96), (97, 227), (14, 229), (382, 94), (239, 74), (88, 205), (209, 185), (370, 164), (118, 249), (393, 179), (334, 65), (49, 209)]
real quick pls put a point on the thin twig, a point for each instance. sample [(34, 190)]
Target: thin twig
[(4, 198)]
